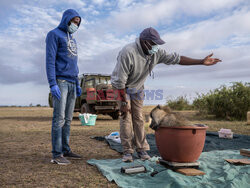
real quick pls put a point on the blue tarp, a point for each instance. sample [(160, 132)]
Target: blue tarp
[(213, 142), (219, 173)]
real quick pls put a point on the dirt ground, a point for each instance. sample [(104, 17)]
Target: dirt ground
[(25, 148)]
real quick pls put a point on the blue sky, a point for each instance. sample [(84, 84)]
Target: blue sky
[(192, 28)]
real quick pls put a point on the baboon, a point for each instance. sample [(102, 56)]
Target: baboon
[(162, 116)]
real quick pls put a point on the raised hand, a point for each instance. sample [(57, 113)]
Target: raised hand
[(210, 61)]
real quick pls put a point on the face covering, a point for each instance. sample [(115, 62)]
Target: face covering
[(154, 49), (72, 28)]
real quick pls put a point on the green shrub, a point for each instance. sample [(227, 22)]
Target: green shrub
[(180, 103), (231, 103)]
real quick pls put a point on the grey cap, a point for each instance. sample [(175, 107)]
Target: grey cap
[(151, 34)]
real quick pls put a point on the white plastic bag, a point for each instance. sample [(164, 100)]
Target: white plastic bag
[(115, 136)]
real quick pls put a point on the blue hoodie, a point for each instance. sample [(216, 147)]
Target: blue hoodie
[(61, 52)]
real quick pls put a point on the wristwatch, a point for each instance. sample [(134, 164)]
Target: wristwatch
[(124, 103)]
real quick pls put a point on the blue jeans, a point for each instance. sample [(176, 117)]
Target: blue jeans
[(62, 117)]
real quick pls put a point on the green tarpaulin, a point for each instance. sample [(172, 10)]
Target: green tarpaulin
[(219, 173)]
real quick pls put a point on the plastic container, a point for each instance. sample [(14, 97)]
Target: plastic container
[(87, 119), (225, 133), (180, 144)]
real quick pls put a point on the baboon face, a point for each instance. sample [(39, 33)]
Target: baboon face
[(153, 125)]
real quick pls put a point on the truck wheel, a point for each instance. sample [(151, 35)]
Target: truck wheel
[(115, 115), (85, 108)]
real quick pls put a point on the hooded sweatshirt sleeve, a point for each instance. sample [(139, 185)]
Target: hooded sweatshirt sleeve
[(168, 59), (51, 51), (122, 69)]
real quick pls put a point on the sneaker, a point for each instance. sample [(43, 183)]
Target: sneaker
[(72, 155), (60, 160), (143, 155), (127, 158)]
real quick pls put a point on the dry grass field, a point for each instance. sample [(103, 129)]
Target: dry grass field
[(26, 148)]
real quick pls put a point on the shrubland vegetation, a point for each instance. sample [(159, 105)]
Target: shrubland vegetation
[(226, 102)]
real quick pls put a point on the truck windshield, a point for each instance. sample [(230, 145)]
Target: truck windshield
[(89, 83), (103, 80)]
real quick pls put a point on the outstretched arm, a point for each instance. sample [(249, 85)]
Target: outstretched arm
[(206, 61)]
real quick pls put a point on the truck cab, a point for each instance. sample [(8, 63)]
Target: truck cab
[(98, 96)]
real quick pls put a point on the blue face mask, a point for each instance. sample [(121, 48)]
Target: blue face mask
[(72, 28), (154, 49)]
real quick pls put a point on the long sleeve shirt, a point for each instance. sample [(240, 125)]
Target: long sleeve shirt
[(133, 66)]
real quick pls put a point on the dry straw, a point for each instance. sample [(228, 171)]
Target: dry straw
[(248, 118)]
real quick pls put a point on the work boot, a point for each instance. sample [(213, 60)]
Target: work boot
[(60, 160), (72, 155), (143, 155), (127, 157)]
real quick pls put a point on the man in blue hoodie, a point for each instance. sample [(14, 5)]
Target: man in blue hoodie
[(62, 74)]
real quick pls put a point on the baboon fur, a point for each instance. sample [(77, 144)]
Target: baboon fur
[(162, 116)]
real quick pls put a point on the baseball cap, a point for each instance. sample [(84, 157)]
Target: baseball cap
[(151, 34)]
